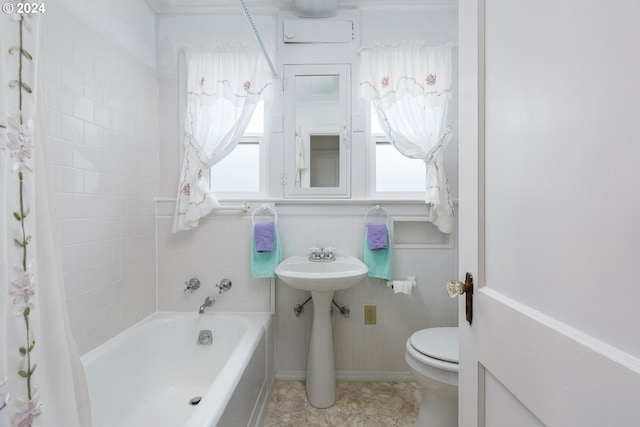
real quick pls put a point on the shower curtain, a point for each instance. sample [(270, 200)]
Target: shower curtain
[(41, 377)]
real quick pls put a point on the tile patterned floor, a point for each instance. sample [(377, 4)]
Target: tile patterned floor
[(358, 404)]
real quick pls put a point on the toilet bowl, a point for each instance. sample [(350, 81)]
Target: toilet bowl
[(432, 356)]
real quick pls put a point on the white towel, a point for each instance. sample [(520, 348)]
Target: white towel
[(402, 287), (301, 162)]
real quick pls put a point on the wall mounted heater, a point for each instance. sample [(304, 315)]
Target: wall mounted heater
[(317, 31)]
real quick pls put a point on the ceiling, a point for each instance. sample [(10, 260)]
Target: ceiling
[(203, 6)]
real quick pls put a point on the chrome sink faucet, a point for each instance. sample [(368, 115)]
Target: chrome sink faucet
[(208, 302), (322, 254)]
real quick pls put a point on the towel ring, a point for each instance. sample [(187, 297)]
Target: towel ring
[(378, 211), (265, 209)]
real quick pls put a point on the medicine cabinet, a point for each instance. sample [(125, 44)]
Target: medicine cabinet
[(317, 146)]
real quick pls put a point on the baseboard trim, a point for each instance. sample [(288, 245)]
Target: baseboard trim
[(291, 375), (351, 375)]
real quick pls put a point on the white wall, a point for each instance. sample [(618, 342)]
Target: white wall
[(176, 32), (221, 247), (102, 125), (129, 25)]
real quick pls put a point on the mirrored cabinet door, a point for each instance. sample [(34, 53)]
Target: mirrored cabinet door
[(317, 131)]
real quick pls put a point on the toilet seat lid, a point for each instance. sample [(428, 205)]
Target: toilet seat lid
[(438, 343)]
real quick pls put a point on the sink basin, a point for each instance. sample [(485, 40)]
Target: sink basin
[(300, 273)]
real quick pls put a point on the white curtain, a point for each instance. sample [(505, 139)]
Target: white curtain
[(40, 369), (409, 85), (223, 87)]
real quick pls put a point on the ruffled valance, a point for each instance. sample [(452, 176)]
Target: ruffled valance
[(413, 68)]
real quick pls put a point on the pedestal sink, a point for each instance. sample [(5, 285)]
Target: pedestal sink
[(322, 279)]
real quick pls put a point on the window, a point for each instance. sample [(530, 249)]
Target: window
[(240, 172), (397, 173), (394, 175)]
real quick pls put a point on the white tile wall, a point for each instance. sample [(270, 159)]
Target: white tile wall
[(218, 249), (170, 138), (102, 124)]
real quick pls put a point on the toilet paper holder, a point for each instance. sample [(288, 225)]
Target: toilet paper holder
[(411, 279)]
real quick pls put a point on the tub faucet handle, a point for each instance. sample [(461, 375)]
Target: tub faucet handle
[(192, 285), (224, 286)]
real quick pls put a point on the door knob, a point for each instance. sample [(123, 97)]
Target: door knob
[(456, 288)]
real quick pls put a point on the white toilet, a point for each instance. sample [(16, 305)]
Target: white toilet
[(432, 355)]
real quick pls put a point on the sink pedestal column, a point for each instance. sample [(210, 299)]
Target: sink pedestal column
[(321, 371)]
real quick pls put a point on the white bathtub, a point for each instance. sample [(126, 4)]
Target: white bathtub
[(146, 376)]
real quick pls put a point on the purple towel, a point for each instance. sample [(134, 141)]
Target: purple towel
[(377, 236), (265, 236)]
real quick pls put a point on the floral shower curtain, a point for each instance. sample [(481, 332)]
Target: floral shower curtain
[(409, 85), (223, 87), (41, 377)]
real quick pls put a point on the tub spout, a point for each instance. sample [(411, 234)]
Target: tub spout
[(208, 302)]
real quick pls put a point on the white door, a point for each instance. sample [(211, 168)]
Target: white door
[(550, 212)]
